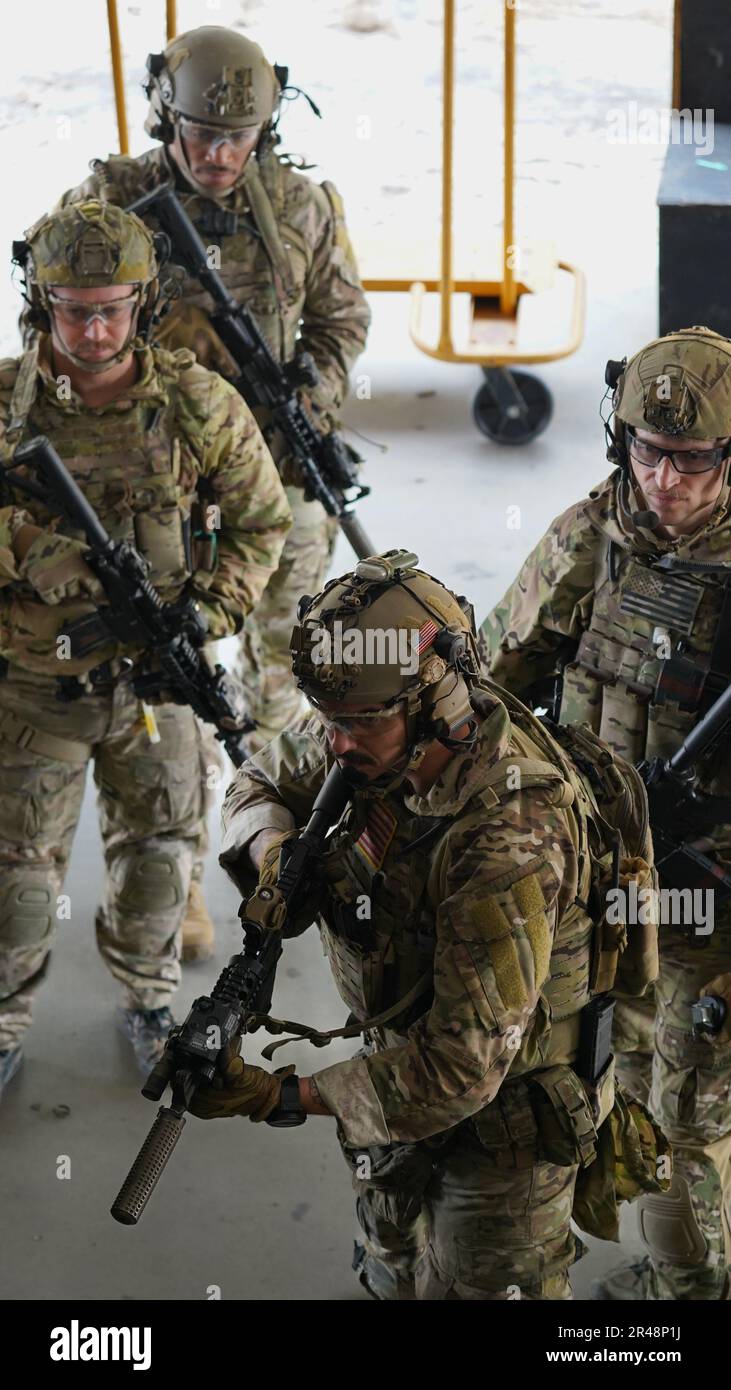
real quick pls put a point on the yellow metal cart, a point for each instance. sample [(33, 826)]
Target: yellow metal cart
[(511, 406)]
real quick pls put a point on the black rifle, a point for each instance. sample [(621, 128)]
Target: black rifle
[(679, 812), (327, 464), (243, 988), (171, 634)]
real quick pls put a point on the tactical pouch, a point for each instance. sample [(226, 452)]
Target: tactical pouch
[(630, 1147), (506, 1129), (395, 1176), (567, 1130), (159, 536), (639, 963), (581, 696), (624, 720), (667, 727), (625, 953)]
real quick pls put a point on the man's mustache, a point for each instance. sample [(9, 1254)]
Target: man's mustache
[(357, 760)]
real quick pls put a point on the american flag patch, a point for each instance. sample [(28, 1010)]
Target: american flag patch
[(670, 600), (427, 633), (374, 839)]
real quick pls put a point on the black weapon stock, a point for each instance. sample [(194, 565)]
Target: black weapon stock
[(327, 464), (243, 988), (136, 614), (679, 812)]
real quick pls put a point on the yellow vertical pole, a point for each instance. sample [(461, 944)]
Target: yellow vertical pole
[(445, 279), (171, 19), (508, 294), (118, 76), (677, 29)]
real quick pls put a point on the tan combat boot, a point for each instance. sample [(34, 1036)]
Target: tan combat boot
[(198, 937)]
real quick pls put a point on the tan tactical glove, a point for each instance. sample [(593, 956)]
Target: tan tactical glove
[(269, 866), (721, 986), (240, 1090), (54, 567)]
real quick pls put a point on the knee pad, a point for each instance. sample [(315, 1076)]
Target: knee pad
[(150, 882), (381, 1283), (668, 1226), (26, 905)]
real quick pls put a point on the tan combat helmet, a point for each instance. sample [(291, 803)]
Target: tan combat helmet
[(385, 635), (86, 246), (213, 76), (676, 385)]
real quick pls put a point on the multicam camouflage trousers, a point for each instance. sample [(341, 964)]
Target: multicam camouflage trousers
[(687, 1085), (264, 663), (150, 808), (448, 1218)]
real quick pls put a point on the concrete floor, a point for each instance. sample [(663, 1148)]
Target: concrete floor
[(242, 1212), (245, 1210), (261, 1214)]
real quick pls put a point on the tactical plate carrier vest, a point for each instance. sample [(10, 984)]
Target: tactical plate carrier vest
[(656, 654), (141, 475)]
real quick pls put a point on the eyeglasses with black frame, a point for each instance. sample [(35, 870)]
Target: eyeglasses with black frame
[(683, 460)]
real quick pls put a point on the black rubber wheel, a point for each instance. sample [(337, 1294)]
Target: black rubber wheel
[(504, 420)]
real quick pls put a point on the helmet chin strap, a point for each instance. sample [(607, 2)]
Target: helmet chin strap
[(392, 778), (419, 744), (417, 748)]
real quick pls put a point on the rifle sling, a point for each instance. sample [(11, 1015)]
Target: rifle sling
[(22, 398), (352, 1030), (266, 222)]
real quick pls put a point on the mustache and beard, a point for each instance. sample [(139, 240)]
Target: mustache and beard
[(352, 765), (354, 769)]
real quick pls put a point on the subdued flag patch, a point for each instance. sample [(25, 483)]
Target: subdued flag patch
[(375, 837)]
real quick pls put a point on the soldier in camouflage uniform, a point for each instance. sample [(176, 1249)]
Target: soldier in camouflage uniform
[(629, 592), (286, 255), (151, 438), (451, 911)]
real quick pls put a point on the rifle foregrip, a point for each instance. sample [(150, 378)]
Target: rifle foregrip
[(148, 1167)]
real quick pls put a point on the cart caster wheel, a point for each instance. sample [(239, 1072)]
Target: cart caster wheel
[(511, 407)]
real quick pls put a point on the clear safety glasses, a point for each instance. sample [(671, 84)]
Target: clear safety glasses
[(364, 724), (211, 136), (683, 460), (113, 313)]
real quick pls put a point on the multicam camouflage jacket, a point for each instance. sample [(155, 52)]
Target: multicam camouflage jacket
[(284, 253), (469, 890), (176, 464), (636, 623)]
